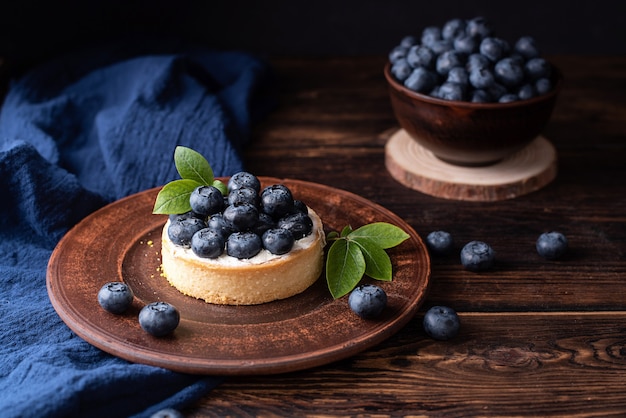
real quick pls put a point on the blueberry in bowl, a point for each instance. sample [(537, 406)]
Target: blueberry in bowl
[(469, 96)]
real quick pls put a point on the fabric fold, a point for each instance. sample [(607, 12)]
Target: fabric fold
[(75, 134)]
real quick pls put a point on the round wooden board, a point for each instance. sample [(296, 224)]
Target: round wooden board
[(418, 168), (122, 242)]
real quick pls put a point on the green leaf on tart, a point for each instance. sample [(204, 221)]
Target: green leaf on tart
[(345, 265), (173, 198), (384, 234), (192, 165)]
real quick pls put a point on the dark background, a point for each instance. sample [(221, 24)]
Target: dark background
[(34, 30)]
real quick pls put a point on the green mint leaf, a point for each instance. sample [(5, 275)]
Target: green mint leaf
[(174, 197), (384, 234), (332, 235), (192, 165), (220, 186), (345, 231), (345, 266), (377, 262)]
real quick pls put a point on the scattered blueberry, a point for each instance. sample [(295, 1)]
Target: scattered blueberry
[(278, 240), (367, 301), (552, 245), (440, 242), (477, 256), (243, 245), (115, 297), (206, 200), (167, 413), (208, 243), (159, 318), (441, 323)]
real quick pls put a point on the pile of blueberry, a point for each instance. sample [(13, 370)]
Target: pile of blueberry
[(243, 222), (465, 61)]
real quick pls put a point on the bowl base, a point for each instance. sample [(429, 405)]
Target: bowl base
[(528, 170)]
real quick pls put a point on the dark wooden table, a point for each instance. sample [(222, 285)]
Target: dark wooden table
[(538, 338)]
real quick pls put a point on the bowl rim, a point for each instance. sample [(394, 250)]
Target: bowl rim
[(557, 77)]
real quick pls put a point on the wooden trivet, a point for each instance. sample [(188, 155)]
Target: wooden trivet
[(414, 166)]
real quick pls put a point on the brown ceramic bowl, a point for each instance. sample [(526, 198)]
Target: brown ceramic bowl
[(466, 133)]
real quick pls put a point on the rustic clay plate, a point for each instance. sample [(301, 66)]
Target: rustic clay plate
[(121, 242)]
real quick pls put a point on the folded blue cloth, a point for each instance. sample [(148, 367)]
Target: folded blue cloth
[(75, 134)]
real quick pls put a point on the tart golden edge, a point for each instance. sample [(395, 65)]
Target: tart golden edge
[(245, 283)]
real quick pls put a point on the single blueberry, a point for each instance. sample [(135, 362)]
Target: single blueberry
[(167, 413), (537, 68), (243, 179), (527, 91), (480, 96), (206, 200), (508, 98), (440, 242), (441, 323), (277, 200), (181, 231), (477, 256), (368, 301), (430, 35), (218, 224), (178, 216), (453, 29), (421, 56), (508, 72), (300, 206), (451, 91), (398, 53), (401, 70), (476, 61), (241, 217), (543, 86), (527, 47), (408, 41), (115, 297), (481, 78), (243, 245), (448, 60), (466, 44), (159, 318), (278, 240), (264, 223), (493, 48), (299, 224), (479, 27), (242, 195), (441, 46), (421, 80), (458, 75), (552, 245), (208, 243)]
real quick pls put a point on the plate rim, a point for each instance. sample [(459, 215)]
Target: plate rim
[(108, 342)]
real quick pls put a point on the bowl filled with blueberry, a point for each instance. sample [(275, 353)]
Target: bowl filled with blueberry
[(469, 96)]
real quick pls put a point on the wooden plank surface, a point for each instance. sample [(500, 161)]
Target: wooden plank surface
[(539, 338)]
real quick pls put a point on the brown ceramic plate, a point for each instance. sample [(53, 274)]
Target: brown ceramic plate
[(121, 242)]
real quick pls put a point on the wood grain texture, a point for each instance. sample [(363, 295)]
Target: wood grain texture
[(539, 338)]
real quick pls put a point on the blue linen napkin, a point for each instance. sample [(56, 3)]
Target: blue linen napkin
[(77, 133)]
